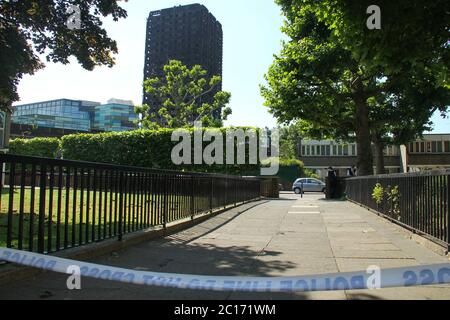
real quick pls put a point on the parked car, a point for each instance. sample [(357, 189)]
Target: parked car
[(308, 185)]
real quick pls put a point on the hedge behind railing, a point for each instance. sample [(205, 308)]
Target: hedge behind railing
[(37, 147), (139, 148)]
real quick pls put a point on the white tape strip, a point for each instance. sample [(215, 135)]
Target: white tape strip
[(369, 279)]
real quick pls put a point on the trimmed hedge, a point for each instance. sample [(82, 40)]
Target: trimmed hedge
[(140, 148), (37, 147), (143, 148)]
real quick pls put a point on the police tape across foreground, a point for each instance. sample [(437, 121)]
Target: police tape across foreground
[(372, 278)]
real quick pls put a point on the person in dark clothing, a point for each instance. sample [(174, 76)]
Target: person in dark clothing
[(351, 172), (333, 182)]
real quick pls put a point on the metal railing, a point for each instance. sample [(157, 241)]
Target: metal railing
[(50, 205), (418, 201)]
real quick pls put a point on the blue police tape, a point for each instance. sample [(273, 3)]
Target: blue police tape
[(369, 279)]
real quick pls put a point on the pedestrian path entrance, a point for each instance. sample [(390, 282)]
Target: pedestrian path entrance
[(287, 237)]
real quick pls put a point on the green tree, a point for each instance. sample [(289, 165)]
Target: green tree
[(179, 98), (411, 32), (412, 49), (403, 112), (289, 142), (316, 80), (32, 27), (335, 93)]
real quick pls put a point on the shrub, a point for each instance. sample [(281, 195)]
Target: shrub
[(140, 148), (393, 194), (38, 147), (309, 174), (378, 194)]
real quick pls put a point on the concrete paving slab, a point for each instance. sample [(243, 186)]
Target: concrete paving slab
[(371, 254), (365, 246)]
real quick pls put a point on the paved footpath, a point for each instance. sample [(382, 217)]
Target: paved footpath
[(290, 236)]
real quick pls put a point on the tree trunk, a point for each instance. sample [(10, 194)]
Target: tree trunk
[(379, 155), (363, 138)]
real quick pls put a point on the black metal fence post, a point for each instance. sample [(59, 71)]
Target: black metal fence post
[(302, 192), (165, 203), (50, 209), (447, 207), (235, 192), (22, 205), (42, 191), (211, 195), (12, 178), (192, 199), (226, 194), (59, 208), (121, 213), (32, 197)]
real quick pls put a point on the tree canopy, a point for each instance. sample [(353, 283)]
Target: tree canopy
[(411, 31), (323, 81), (32, 27), (289, 142), (179, 98)]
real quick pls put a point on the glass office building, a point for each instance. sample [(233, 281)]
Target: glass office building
[(116, 115), (77, 115), (61, 114)]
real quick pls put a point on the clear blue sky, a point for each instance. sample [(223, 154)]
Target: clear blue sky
[(251, 37)]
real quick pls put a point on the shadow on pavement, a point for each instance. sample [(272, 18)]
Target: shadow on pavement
[(196, 251), (333, 200), (168, 256), (362, 296)]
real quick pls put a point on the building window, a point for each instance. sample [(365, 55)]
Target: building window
[(434, 146), (446, 146), (422, 147), (335, 150), (346, 150)]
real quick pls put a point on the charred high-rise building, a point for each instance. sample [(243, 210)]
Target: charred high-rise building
[(190, 34)]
